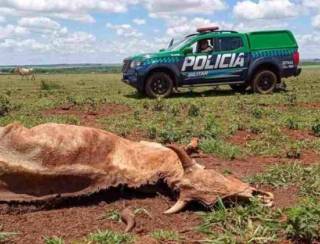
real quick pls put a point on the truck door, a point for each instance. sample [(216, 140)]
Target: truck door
[(226, 62), (233, 54), (195, 69)]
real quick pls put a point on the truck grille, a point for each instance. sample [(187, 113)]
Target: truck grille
[(126, 65)]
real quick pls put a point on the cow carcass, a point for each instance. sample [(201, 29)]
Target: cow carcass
[(60, 161)]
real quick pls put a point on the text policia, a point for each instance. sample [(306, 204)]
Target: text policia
[(210, 62)]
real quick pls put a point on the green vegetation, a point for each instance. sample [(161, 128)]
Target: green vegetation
[(316, 128), (45, 85), (5, 236), (113, 215), (303, 221), (214, 116), (253, 223), (165, 235), (107, 237), (53, 240), (5, 105), (283, 175)]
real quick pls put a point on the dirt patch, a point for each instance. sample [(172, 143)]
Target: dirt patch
[(284, 197), (75, 222), (88, 115), (239, 168), (309, 157), (299, 135), (241, 137), (284, 107)]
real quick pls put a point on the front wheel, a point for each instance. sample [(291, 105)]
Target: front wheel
[(159, 84), (264, 82)]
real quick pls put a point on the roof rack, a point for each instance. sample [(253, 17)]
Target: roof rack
[(228, 31)]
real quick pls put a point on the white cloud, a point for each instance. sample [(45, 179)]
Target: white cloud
[(42, 25), (10, 31), (316, 21), (265, 9), (76, 42), (309, 45), (124, 30), (181, 25), (39, 22), (2, 19), (68, 6), (186, 6), (81, 17), (77, 10), (22, 45), (314, 4), (139, 21)]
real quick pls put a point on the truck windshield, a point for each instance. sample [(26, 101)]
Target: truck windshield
[(179, 44)]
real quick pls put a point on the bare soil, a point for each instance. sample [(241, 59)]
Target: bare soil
[(299, 135), (241, 137), (88, 115), (74, 221)]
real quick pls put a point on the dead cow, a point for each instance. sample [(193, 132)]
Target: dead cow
[(58, 161)]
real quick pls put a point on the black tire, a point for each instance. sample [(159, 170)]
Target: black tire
[(239, 87), (159, 84), (264, 82)]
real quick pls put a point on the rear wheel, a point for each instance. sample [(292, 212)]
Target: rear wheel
[(159, 84), (239, 87), (264, 82)]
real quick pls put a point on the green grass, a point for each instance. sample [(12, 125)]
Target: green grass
[(165, 235), (213, 116), (284, 175), (53, 240), (113, 215), (108, 237), (5, 236), (253, 223)]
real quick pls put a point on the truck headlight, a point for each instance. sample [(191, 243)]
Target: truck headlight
[(135, 64)]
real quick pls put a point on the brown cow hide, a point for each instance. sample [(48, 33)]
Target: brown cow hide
[(58, 161)]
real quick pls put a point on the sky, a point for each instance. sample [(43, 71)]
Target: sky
[(107, 31)]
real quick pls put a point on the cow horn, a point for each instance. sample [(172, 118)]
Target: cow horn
[(128, 217), (186, 161), (178, 206)]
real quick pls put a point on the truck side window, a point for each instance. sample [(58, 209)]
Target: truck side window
[(229, 43), (204, 46)]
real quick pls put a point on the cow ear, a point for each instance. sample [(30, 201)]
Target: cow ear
[(185, 159)]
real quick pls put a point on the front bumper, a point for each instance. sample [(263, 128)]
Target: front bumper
[(133, 79)]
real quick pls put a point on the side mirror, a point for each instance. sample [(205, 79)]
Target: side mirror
[(171, 43), (162, 50), (188, 50)]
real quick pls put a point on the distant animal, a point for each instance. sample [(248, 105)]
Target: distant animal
[(24, 72), (53, 161)]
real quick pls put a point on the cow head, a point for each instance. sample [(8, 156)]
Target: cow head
[(207, 185)]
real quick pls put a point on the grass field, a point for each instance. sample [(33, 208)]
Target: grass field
[(271, 141)]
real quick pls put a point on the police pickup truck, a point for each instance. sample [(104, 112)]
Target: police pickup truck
[(211, 57)]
